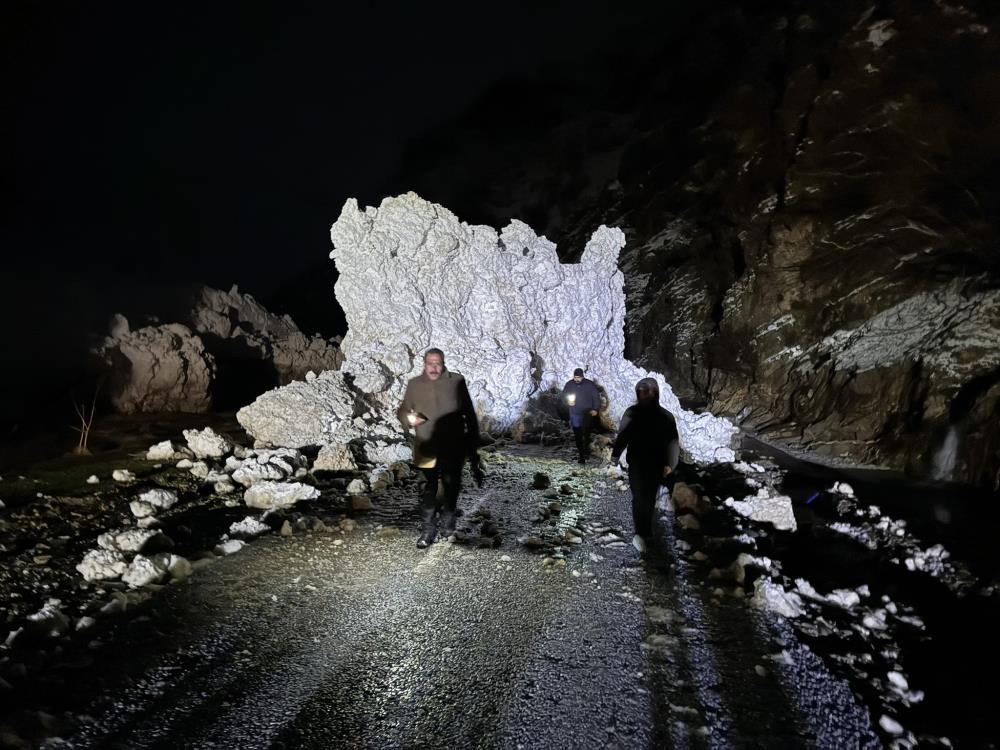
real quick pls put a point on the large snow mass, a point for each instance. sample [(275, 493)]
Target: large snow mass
[(509, 316)]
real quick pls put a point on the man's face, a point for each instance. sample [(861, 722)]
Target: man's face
[(433, 366), (578, 378)]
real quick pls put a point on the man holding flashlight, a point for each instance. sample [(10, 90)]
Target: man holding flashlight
[(584, 401), (438, 410)]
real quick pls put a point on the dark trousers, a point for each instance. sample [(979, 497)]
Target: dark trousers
[(449, 478), (645, 484), (582, 435)]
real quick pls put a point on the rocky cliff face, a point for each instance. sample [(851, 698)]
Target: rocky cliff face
[(809, 198)]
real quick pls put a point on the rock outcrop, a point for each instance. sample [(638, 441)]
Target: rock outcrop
[(228, 350), (161, 368), (509, 316), (235, 323), (810, 222)]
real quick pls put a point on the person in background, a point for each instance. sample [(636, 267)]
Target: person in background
[(439, 410), (584, 401), (648, 433)]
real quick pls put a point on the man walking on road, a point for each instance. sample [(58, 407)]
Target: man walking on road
[(584, 401), (439, 410), (649, 433)]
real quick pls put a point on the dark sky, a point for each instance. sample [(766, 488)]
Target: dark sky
[(156, 144), (167, 141)]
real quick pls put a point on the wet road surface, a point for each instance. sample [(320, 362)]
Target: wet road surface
[(361, 640)]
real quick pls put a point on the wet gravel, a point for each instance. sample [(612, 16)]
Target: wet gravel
[(361, 640)]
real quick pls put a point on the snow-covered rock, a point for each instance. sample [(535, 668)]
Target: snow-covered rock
[(502, 307), (766, 508), (272, 495), (158, 368), (102, 564), (248, 528), (206, 443), (277, 464)]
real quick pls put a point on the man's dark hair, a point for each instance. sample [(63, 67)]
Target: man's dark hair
[(647, 389), (433, 350)]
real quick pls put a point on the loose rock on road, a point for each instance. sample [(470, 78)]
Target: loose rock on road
[(362, 640)]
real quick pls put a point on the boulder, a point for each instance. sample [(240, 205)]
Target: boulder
[(207, 444), (102, 564), (335, 457), (157, 368), (269, 495), (277, 464), (766, 508), (515, 328)]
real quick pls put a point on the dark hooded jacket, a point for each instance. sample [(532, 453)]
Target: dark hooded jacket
[(649, 433), (451, 431)]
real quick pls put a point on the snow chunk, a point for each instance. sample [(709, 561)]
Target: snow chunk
[(842, 488), (206, 444), (357, 487), (272, 495), (92, 479), (122, 475)]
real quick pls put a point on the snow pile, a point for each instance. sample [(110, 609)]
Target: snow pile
[(506, 312), (766, 508)]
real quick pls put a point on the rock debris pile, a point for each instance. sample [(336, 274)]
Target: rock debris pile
[(504, 309)]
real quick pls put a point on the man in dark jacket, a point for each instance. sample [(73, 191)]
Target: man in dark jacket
[(439, 410), (649, 433), (584, 401)]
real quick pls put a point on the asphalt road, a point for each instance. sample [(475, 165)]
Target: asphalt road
[(361, 640)]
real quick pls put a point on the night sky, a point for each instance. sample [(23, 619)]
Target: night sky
[(157, 145)]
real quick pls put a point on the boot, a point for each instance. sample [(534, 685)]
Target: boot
[(429, 527)]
